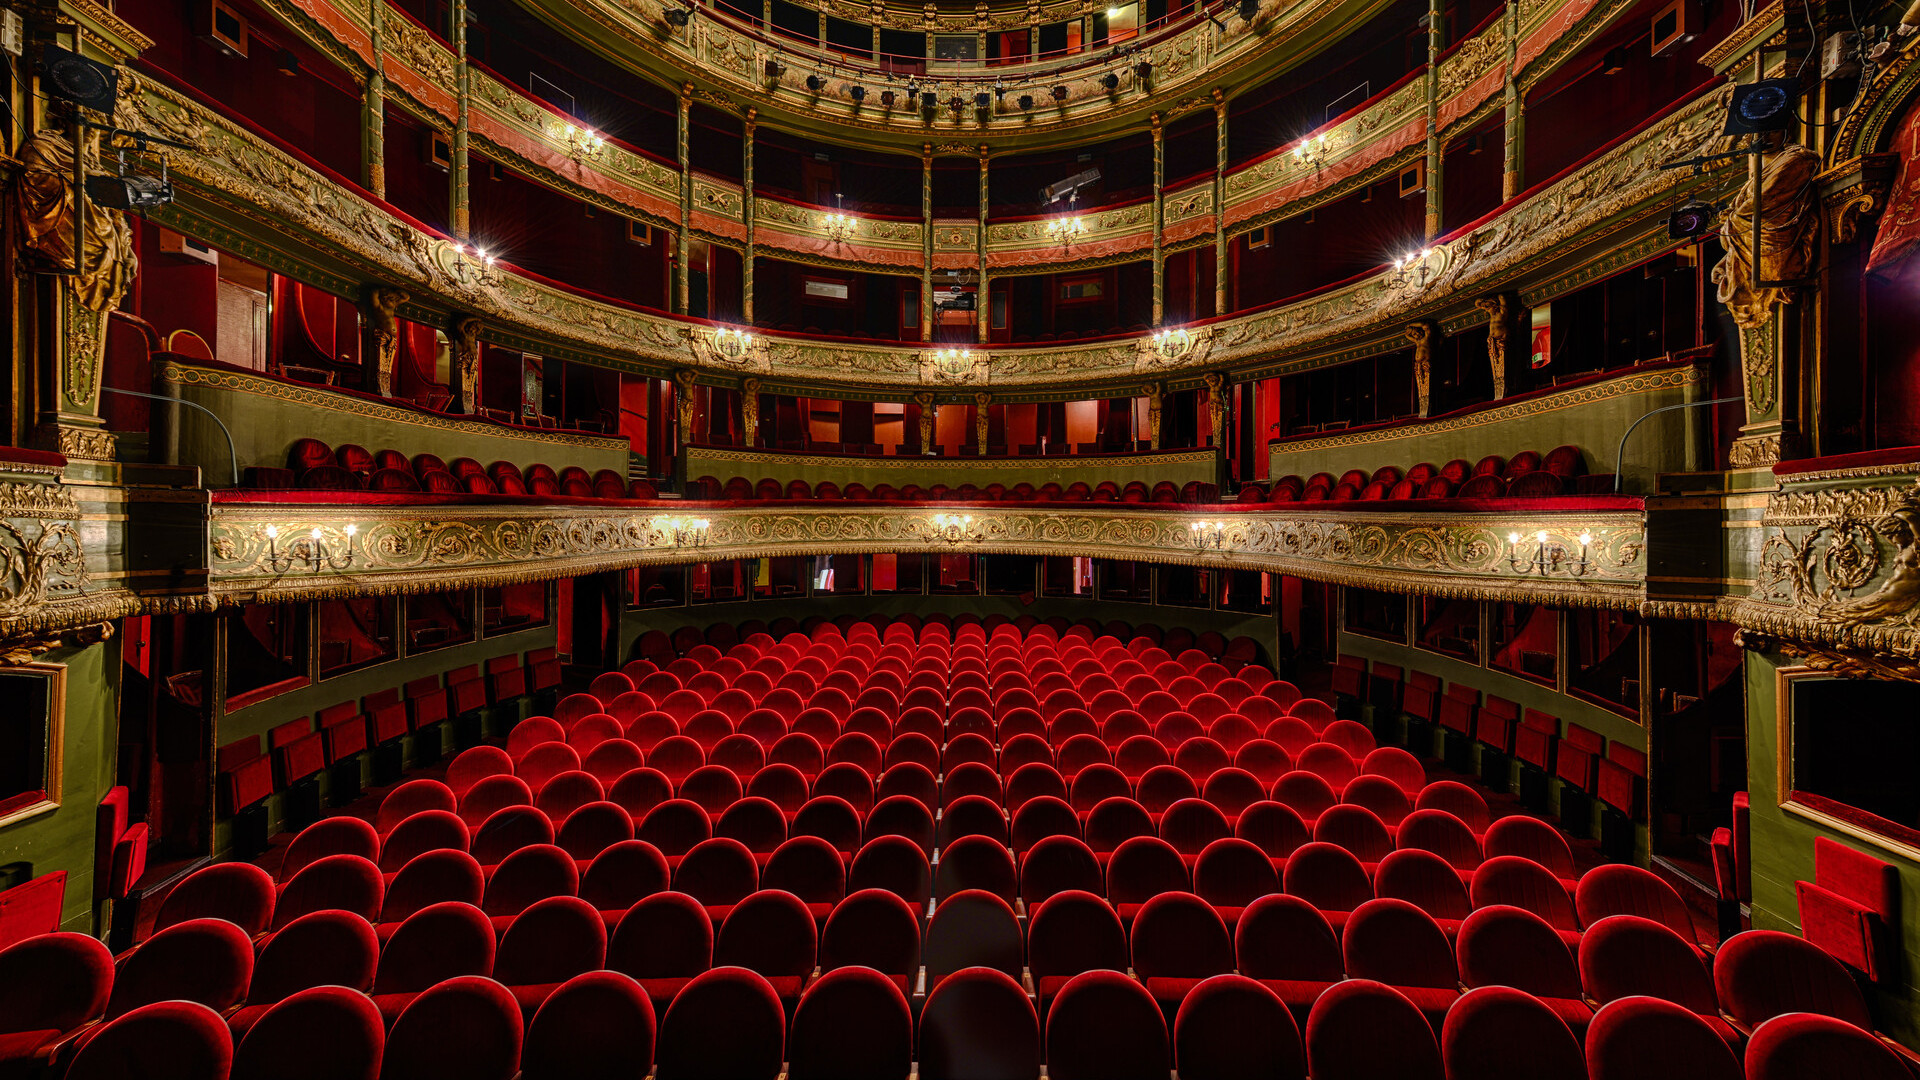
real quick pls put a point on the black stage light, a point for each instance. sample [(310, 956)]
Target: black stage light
[(68, 76), (886, 98), (1249, 9), (129, 192), (1690, 219), (929, 101), (775, 69), (1026, 101), (815, 82), (857, 93), (1059, 93), (1110, 81), (983, 99), (679, 16), (956, 103), (1143, 69), (1766, 105)]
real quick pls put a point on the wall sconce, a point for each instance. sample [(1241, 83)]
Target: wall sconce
[(482, 260), (1066, 230), (1172, 344), (954, 528), (1548, 558), (731, 343), (839, 228), (1311, 151), (683, 532), (1413, 269), (582, 143), (1208, 534), (953, 363), (310, 549)]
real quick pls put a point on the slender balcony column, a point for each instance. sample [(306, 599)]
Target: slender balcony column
[(1220, 202), (1436, 40), (1513, 176), (981, 313), (462, 211), (926, 241), (1159, 219), (681, 259), (749, 122), (373, 106)]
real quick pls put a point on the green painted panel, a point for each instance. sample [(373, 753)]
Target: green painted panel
[(62, 839), (1783, 854)]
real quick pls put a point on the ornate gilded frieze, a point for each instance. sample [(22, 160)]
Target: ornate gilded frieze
[(407, 549), (43, 575), (1839, 563)]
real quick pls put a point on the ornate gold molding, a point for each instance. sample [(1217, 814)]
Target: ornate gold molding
[(410, 549)]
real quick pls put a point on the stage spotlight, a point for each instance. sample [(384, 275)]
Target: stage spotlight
[(679, 16), (1766, 105), (1690, 220), (983, 99), (1144, 70), (1110, 80), (1026, 101), (815, 82), (775, 69), (857, 93), (68, 76), (129, 192), (956, 103), (1059, 93), (1249, 9), (929, 100), (886, 98)]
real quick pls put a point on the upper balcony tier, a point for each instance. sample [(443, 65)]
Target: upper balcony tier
[(237, 191)]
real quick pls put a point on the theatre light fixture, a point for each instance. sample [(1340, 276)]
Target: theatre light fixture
[(954, 528), (682, 531), (1208, 534), (1547, 558), (309, 550)]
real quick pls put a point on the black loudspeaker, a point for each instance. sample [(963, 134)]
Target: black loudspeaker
[(389, 762), (300, 804), (1576, 812), (68, 76), (1533, 788), (250, 832), (343, 781)]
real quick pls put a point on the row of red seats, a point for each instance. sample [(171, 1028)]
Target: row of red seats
[(1384, 953), (1561, 471), (313, 465), (910, 629), (740, 489), (246, 774)]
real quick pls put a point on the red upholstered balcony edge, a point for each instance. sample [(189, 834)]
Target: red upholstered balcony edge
[(1562, 504), (22, 456), (1858, 818), (1865, 459)]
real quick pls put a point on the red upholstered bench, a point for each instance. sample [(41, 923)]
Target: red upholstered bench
[(1850, 908), (506, 678)]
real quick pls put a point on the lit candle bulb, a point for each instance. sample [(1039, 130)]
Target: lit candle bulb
[(273, 532)]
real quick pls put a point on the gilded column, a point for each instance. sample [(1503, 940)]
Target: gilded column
[(1513, 176), (1159, 219), (982, 309), (463, 82), (681, 243), (373, 106), (926, 241), (748, 123), (1220, 201), (1436, 40), (463, 355)]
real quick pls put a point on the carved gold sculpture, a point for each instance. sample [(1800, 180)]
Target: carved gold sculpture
[(1422, 334), (381, 348), (463, 345), (1789, 229)]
